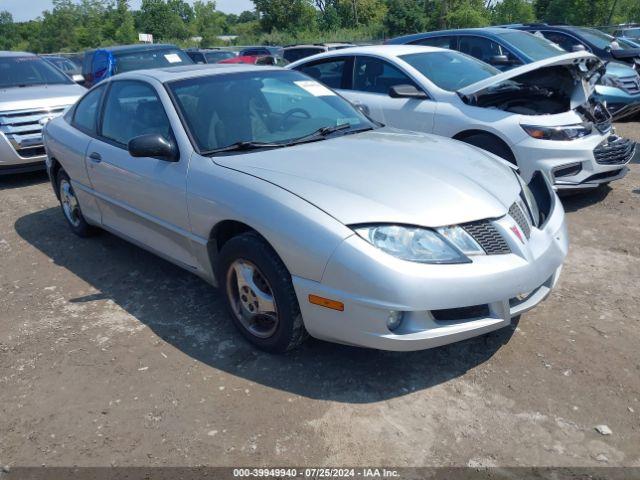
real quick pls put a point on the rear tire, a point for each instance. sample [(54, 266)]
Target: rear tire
[(71, 207), (259, 294)]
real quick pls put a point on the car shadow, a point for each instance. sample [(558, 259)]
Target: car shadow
[(574, 201), (189, 314), (19, 180)]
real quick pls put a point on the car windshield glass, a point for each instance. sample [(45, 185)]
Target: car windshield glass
[(260, 107), (596, 37), (152, 58), (450, 70), (632, 33), (534, 46), (28, 70)]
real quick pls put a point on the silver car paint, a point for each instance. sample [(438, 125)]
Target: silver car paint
[(300, 200)]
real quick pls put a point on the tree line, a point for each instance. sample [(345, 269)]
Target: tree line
[(71, 26)]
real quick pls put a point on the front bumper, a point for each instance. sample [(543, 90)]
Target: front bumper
[(11, 162), (571, 165), (484, 293)]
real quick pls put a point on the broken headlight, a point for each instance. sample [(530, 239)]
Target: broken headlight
[(565, 132)]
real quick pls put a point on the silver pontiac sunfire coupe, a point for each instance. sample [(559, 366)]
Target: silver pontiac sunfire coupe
[(311, 218)]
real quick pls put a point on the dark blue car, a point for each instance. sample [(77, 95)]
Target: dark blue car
[(105, 62)]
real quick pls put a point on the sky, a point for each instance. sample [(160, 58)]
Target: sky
[(29, 9)]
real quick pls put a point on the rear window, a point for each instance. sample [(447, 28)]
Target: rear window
[(298, 53), (29, 70), (450, 70), (149, 59), (534, 46), (215, 57)]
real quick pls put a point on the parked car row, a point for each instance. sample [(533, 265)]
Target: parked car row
[(317, 197)]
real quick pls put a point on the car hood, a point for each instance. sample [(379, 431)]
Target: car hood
[(40, 96), (388, 176), (574, 58)]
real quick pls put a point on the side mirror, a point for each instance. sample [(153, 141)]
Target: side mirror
[(154, 146), (407, 91), (578, 48), (499, 60)]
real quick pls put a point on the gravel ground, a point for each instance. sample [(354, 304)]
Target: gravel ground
[(111, 356)]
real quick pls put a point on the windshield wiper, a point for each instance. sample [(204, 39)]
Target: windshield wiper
[(243, 147), (320, 134)]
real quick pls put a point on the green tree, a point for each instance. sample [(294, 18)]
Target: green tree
[(8, 31), (404, 16), (286, 15), (513, 11), (467, 14)]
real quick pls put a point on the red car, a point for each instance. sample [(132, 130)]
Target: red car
[(257, 60)]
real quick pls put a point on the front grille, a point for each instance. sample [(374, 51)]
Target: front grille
[(630, 84), (615, 151), (464, 313), (24, 130), (520, 218), (488, 237)]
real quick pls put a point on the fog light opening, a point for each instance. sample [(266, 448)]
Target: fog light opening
[(394, 320)]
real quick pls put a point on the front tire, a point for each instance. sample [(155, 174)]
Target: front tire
[(71, 207), (259, 294)]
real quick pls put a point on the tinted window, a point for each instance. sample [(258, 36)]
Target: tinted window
[(197, 57), (596, 37), (565, 42), (329, 72), (440, 42), (133, 109), (29, 70), (86, 113), (250, 52), (450, 70), (155, 58), (297, 53), (270, 106), (377, 76), (480, 48)]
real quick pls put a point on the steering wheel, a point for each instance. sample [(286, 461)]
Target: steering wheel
[(290, 113)]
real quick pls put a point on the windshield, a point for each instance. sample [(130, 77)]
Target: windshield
[(596, 37), (266, 107), (152, 58), (67, 66), (632, 33), (28, 71), (535, 47), (450, 70)]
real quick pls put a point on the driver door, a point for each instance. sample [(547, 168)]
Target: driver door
[(143, 199), (372, 79)]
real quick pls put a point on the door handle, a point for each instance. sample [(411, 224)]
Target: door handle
[(95, 157)]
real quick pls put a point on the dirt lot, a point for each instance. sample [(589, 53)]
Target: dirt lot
[(111, 356)]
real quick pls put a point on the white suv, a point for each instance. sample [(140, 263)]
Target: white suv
[(539, 116)]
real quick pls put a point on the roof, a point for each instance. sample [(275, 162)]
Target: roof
[(379, 50), (6, 53), (417, 36), (138, 47), (170, 74)]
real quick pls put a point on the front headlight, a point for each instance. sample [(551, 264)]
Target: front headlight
[(420, 245), (565, 132)]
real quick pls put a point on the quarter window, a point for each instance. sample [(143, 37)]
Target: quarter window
[(563, 41), (133, 109), (377, 76), (330, 72), (86, 113)]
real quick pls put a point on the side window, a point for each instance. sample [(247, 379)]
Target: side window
[(565, 41), (85, 115), (133, 109), (377, 76), (440, 42), (480, 48), (329, 72)]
